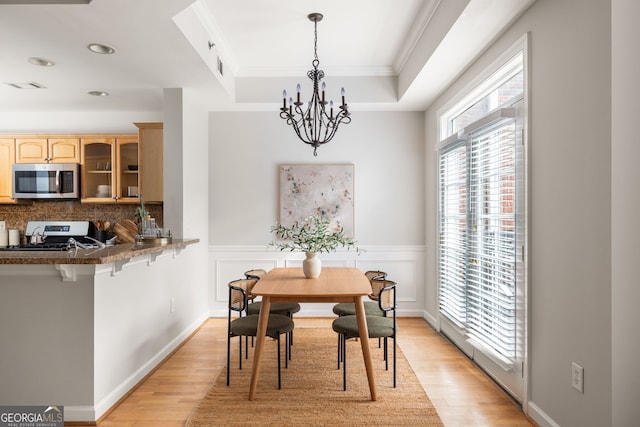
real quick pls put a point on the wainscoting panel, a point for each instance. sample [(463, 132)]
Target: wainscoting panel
[(404, 265)]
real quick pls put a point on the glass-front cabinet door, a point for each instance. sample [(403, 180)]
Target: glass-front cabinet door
[(98, 180), (128, 182)]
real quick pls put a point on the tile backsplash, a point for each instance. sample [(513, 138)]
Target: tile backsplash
[(17, 216)]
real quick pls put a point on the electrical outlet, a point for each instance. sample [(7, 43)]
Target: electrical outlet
[(172, 305), (3, 225), (577, 377)]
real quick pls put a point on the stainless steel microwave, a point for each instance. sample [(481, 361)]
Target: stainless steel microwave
[(46, 181)]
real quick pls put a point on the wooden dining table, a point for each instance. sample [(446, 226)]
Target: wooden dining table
[(335, 284)]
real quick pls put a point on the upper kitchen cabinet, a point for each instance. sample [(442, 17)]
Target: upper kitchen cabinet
[(127, 169), (47, 150), (150, 136), (7, 158), (98, 158), (110, 169)]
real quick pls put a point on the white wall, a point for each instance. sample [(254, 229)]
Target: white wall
[(569, 163), (387, 151), (186, 194), (134, 325), (625, 292)]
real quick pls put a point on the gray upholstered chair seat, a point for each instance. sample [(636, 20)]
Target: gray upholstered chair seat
[(248, 325), (349, 309), (377, 326), (284, 308)]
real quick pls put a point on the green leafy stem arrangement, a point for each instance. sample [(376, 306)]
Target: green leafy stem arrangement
[(141, 211), (312, 235)]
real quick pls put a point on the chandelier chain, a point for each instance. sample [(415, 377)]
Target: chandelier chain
[(315, 44)]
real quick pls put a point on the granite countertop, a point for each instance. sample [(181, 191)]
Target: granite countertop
[(90, 256)]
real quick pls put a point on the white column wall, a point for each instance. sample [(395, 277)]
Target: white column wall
[(625, 176)]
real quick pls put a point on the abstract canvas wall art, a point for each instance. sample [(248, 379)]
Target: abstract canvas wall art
[(310, 189)]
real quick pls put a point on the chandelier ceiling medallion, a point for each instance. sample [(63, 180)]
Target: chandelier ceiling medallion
[(317, 124)]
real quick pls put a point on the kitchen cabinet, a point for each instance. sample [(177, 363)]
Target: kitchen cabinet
[(7, 158), (150, 136), (47, 150), (110, 169), (115, 168)]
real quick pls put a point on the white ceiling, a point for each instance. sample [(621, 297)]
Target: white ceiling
[(388, 54)]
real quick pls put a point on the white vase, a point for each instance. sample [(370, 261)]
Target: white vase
[(311, 266)]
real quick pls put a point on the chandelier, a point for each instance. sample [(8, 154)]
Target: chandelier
[(317, 124)]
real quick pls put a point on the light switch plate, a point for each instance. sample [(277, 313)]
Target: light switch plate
[(3, 226)]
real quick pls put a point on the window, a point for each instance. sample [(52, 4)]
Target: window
[(493, 92), (482, 227)]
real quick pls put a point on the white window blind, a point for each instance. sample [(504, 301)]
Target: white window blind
[(453, 232), (477, 258)]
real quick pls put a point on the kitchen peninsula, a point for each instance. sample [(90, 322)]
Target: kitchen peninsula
[(109, 254), (81, 329)]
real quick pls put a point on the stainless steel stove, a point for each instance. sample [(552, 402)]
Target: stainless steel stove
[(56, 236)]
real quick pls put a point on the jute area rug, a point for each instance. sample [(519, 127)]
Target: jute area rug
[(311, 393)]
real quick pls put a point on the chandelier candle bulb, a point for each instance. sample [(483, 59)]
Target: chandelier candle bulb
[(298, 88), (284, 99), (342, 94)]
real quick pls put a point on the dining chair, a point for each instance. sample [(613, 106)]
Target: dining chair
[(284, 308), (248, 326), (255, 273), (374, 277), (371, 308), (378, 326)]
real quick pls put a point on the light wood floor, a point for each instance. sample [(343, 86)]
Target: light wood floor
[(461, 393)]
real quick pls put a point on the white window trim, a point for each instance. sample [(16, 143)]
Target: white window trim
[(472, 91)]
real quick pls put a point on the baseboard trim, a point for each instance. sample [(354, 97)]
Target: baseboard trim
[(539, 416), (92, 414)]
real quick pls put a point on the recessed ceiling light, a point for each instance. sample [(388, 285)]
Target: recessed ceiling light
[(98, 93), (101, 48), (41, 62)]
